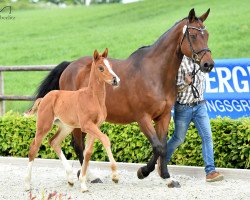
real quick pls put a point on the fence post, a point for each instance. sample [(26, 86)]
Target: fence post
[(2, 103)]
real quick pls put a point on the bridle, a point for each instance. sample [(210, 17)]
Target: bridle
[(195, 54)]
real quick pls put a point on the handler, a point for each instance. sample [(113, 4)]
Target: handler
[(190, 106)]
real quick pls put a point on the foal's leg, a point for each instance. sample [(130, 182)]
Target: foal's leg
[(78, 144), (149, 131), (95, 131), (87, 155), (41, 132), (55, 143)]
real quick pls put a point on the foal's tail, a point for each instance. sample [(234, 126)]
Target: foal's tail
[(51, 82), (34, 108)]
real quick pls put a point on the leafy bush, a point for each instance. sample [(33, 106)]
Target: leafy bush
[(231, 142)]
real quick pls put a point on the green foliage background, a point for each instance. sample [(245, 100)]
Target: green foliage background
[(231, 142)]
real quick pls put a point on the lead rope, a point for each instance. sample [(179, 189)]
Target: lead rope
[(194, 90)]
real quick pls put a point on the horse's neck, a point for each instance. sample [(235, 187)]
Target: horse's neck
[(167, 56), (97, 85)]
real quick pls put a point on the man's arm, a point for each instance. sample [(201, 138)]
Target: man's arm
[(183, 78)]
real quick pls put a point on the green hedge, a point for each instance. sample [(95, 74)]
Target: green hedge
[(231, 142)]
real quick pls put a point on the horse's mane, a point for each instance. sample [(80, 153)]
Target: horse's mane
[(157, 41), (140, 48)]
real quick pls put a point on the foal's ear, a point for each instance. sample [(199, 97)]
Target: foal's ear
[(191, 15), (204, 16), (96, 55), (105, 53)]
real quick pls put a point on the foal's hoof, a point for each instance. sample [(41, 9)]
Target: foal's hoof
[(140, 174), (27, 188), (174, 184), (84, 190), (97, 180), (71, 183), (115, 178)]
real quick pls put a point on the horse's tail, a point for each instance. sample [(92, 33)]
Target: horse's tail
[(51, 82), (34, 108)]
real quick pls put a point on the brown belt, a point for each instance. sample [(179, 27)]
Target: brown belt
[(192, 104)]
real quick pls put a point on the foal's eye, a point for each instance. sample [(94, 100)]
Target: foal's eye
[(101, 68), (193, 37)]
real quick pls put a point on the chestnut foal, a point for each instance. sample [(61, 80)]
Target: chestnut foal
[(84, 109)]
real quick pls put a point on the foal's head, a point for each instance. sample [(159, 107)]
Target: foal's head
[(194, 40), (104, 68)]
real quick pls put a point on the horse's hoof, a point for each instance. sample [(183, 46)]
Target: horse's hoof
[(78, 174), (140, 174), (97, 180), (174, 184)]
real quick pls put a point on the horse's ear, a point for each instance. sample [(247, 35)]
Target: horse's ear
[(191, 15), (204, 16), (105, 53), (96, 55)]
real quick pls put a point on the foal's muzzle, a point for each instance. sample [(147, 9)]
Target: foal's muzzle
[(115, 81)]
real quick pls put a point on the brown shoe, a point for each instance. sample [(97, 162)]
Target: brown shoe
[(214, 176)]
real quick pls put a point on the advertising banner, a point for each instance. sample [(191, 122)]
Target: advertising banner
[(228, 88)]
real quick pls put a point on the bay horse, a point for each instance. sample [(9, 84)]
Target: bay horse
[(151, 71), (84, 109)]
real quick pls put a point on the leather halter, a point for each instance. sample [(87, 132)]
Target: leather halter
[(195, 54)]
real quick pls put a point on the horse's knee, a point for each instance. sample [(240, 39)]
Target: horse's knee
[(158, 149)]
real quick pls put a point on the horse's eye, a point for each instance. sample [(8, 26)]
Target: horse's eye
[(101, 68), (193, 37)]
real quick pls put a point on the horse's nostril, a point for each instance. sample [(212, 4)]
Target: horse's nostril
[(206, 65), (115, 81)]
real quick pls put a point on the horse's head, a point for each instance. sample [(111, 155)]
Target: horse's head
[(193, 43), (104, 68)]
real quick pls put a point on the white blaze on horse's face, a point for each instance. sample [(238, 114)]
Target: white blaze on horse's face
[(116, 79), (184, 29)]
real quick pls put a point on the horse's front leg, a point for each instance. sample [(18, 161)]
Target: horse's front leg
[(149, 131), (161, 126)]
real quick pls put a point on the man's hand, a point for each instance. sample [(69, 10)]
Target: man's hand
[(188, 79)]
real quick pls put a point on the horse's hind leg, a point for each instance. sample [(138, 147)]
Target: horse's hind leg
[(87, 155), (94, 130), (41, 132), (55, 143), (78, 143)]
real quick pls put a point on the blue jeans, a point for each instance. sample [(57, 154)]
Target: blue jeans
[(183, 115)]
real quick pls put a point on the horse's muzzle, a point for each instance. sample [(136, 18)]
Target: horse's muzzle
[(207, 66)]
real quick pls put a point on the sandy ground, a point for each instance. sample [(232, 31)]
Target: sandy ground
[(46, 180)]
